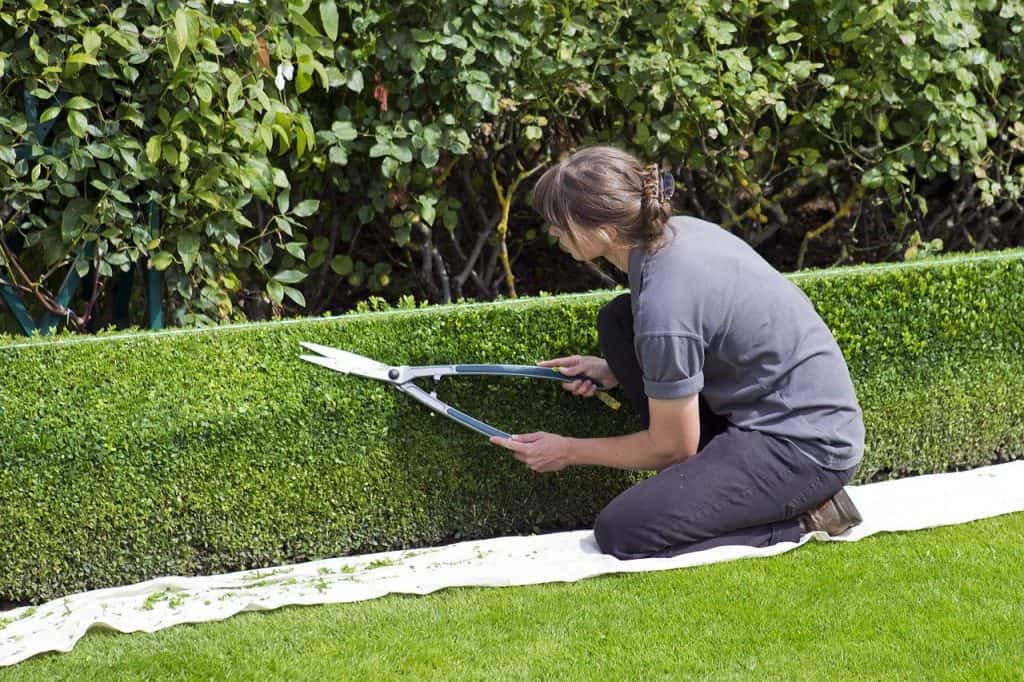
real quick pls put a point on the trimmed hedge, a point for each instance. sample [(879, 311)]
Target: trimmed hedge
[(131, 456)]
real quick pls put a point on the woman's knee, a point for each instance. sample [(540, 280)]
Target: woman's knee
[(609, 533), (617, 534)]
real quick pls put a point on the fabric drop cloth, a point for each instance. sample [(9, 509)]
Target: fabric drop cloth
[(899, 505)]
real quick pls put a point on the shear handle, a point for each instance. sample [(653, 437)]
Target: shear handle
[(447, 410), (497, 370)]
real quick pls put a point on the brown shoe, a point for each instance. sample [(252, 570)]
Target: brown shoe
[(835, 516)]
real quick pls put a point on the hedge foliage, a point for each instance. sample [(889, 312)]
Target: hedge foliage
[(188, 452), (307, 154)]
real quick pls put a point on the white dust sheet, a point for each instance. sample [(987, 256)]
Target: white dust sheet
[(899, 505)]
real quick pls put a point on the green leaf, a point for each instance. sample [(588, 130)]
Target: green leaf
[(389, 166), (81, 267), (71, 219), (276, 291), (265, 253), (303, 79), (267, 137), (849, 34), (344, 131), (341, 265), (872, 178), (79, 103), (402, 235), (100, 150), (295, 295), (329, 17), (173, 49), (204, 93), (283, 224), (80, 58), (181, 28), (289, 276), (401, 152), (153, 147), (170, 154), (429, 156), (91, 41), (477, 93), (50, 114), (78, 123), (234, 92), (303, 23), (188, 249), (306, 208), (338, 155), (355, 81), (117, 259), (162, 260), (427, 212)]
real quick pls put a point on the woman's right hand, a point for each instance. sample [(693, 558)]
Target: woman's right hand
[(589, 365)]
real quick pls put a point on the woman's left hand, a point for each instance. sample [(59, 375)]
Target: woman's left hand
[(540, 451)]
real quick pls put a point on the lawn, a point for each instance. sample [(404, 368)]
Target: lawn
[(946, 603)]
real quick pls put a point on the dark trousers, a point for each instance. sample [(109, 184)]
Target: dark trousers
[(741, 488)]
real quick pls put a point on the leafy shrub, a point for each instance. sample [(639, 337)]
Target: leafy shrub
[(310, 154)]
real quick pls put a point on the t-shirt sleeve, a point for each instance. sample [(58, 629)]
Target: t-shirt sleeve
[(672, 363)]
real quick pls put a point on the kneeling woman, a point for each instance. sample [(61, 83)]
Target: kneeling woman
[(749, 414)]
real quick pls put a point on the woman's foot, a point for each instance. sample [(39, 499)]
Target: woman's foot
[(835, 515)]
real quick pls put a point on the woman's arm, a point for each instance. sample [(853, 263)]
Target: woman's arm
[(672, 437)]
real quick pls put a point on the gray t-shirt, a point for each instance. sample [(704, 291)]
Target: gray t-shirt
[(713, 317)]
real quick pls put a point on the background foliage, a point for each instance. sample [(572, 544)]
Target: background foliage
[(204, 451), (306, 154)]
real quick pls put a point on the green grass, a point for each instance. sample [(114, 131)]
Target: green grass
[(946, 603)]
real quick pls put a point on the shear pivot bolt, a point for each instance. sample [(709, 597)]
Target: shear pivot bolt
[(393, 374)]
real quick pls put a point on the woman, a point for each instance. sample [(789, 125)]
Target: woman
[(749, 413)]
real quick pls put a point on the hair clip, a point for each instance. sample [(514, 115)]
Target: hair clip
[(666, 187)]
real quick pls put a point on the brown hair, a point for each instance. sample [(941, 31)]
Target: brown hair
[(602, 186)]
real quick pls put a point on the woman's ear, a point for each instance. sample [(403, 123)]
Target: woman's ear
[(612, 232)]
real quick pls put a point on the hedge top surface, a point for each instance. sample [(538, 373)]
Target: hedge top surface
[(11, 342)]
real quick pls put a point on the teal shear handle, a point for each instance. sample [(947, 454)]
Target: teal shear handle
[(441, 407), (475, 424), (447, 410), (523, 371)]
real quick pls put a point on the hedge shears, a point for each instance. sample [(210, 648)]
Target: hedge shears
[(402, 376)]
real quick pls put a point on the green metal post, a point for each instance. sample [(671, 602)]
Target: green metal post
[(17, 308), (67, 290), (123, 298), (154, 278)]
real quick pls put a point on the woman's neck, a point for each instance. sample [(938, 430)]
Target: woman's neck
[(618, 255)]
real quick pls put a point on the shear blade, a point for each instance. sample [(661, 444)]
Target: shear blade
[(346, 362)]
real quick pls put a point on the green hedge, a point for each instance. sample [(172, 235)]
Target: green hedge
[(131, 456)]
